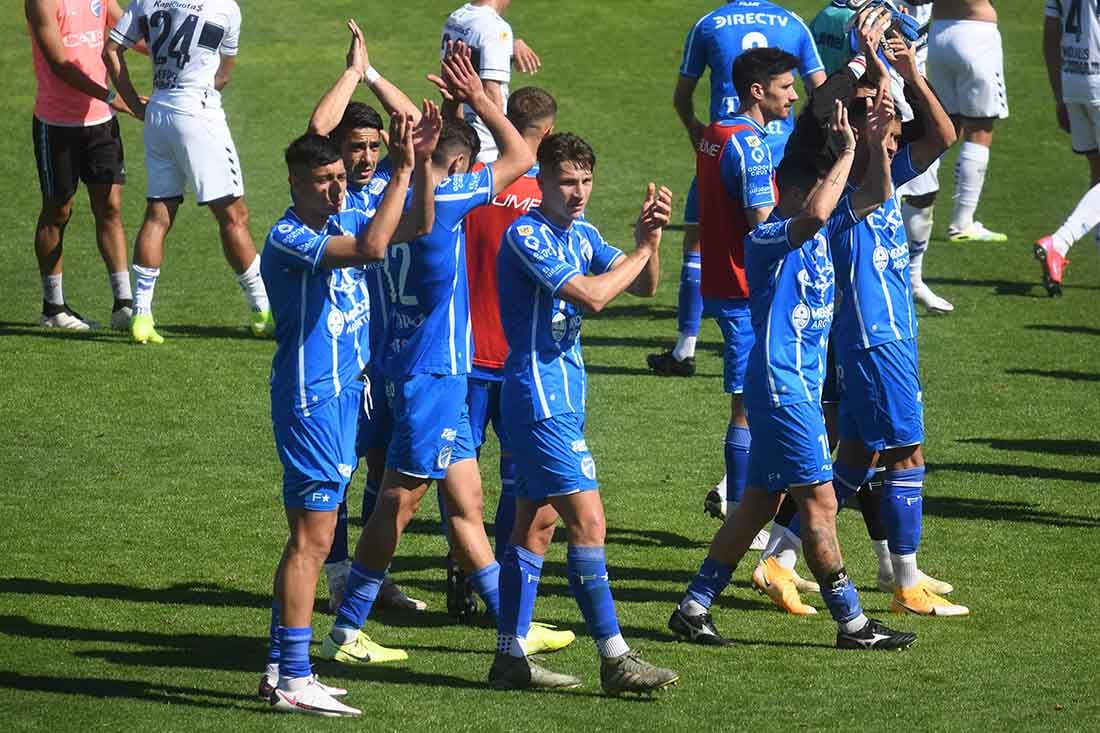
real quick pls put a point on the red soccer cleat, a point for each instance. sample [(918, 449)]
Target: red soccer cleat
[(1054, 265)]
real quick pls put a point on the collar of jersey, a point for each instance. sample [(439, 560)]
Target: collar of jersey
[(537, 213), (292, 214), (745, 120)]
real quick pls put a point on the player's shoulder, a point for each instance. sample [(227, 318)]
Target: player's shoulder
[(289, 234), (463, 184), (524, 226)]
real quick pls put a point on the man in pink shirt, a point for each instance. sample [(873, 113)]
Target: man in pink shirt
[(76, 139)]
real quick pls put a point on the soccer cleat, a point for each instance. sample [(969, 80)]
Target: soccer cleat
[(461, 603), (390, 596), (520, 673), (760, 541), (542, 638), (632, 674), (336, 573), (920, 600), (312, 700), (715, 505), (976, 232), (923, 295), (698, 629), (66, 319), (360, 650), (1053, 264), (120, 316), (262, 324), (805, 586), (776, 582), (268, 685), (939, 587), (142, 331), (874, 635), (667, 365)]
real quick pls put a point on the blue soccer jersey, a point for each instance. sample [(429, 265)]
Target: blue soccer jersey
[(721, 35), (366, 199), (872, 273), (745, 165), (544, 372), (791, 294), (429, 330), (321, 314)]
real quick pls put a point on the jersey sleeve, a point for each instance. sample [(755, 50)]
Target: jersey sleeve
[(695, 55), (842, 219), (902, 169), (604, 255), (771, 240), (1053, 9), (809, 60), (538, 256), (232, 38), (459, 195), (298, 246), (746, 170), (127, 31), (496, 53)]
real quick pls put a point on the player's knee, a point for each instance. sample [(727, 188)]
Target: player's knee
[(233, 215), (589, 529), (922, 201), (56, 213)]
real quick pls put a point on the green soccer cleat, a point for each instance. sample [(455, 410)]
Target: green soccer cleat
[(976, 232), (262, 324), (360, 651), (631, 674), (520, 673), (142, 331), (542, 638)]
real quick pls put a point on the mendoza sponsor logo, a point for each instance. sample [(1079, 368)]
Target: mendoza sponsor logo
[(881, 258)]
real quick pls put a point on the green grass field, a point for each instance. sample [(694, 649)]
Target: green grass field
[(140, 490)]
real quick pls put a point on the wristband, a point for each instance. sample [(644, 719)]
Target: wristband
[(372, 75), (111, 95), (858, 66)]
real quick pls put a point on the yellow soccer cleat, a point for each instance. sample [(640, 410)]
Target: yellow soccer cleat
[(142, 331), (805, 586), (918, 599), (776, 582), (360, 650), (542, 638), (262, 324)]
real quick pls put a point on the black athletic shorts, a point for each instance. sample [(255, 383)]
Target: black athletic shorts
[(66, 155)]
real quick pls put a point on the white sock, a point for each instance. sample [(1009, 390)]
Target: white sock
[(970, 171), (882, 552), (120, 285), (52, 291), (612, 646), (906, 574), (720, 487), (850, 627), (1084, 217), (918, 227), (773, 541), (731, 508), (343, 635), (253, 286), (515, 646), (294, 684), (145, 280), (691, 607), (788, 550), (271, 671), (916, 269), (685, 347)]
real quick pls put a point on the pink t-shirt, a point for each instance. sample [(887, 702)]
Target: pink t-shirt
[(82, 24)]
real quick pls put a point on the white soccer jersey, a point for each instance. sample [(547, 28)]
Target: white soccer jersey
[(490, 38), (1080, 21), (186, 39)]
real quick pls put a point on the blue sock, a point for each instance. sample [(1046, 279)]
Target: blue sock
[(903, 508), (709, 582), (273, 649), (587, 568), (737, 461), (795, 525), (486, 583), (505, 519), (690, 310), (841, 598), (339, 550), (847, 479), (359, 596), (294, 661), (370, 498), (520, 571)]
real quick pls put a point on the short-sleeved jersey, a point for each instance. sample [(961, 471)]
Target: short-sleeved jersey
[(544, 373), (366, 199), (81, 25), (830, 30), (792, 297), (321, 315), (485, 227), (721, 35), (872, 273), (490, 40), (186, 40), (733, 171), (1080, 21), (429, 331)]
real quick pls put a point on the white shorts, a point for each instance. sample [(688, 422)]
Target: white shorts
[(182, 148), (1084, 126), (966, 68), (926, 183)]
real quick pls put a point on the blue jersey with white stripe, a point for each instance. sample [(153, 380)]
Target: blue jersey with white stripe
[(544, 372), (745, 164), (872, 264), (429, 330), (366, 199), (791, 295), (321, 314), (721, 35)]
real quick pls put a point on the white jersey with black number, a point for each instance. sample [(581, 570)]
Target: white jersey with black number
[(1080, 21), (490, 38), (186, 40)]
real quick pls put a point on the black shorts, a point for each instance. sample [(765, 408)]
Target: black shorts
[(66, 155)]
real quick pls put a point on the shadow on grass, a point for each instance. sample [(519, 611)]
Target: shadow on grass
[(1000, 287), (647, 341), (1058, 328), (208, 332), (637, 310), (1040, 445), (1016, 471), (108, 689), (1002, 511), (1057, 374), (13, 328), (190, 594)]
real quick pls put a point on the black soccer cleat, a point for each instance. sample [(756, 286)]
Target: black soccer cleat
[(697, 629), (461, 602), (874, 635), (667, 365)]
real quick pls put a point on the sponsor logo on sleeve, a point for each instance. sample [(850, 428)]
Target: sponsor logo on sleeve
[(525, 230)]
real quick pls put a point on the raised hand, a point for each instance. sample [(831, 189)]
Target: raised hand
[(524, 58), (357, 58), (879, 119), (400, 142), (871, 23), (902, 57), (425, 135), (654, 216), (842, 139), (459, 81)]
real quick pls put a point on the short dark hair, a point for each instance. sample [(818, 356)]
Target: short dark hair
[(565, 147), (530, 106), (357, 116), (759, 66), (311, 151), (456, 137)]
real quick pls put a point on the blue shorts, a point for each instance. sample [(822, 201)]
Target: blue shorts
[(483, 402), (881, 404), (735, 321), (790, 447), (375, 423), (691, 204), (431, 424), (318, 451), (552, 457)]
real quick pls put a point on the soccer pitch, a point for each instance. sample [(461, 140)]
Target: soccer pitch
[(141, 496)]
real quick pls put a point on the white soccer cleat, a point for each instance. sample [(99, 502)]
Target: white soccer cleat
[(120, 319), (312, 699), (68, 320), (923, 295), (976, 232), (760, 542), (270, 682)]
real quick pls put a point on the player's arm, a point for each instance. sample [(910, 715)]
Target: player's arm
[(748, 180), (878, 184), (939, 130), (524, 58), (114, 15), (420, 217), (656, 210), (1052, 56), (227, 52), (224, 72), (120, 76), (683, 101), (822, 200)]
